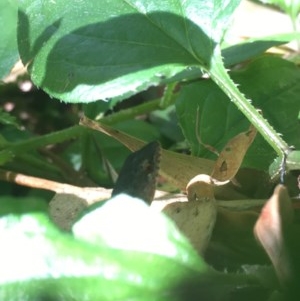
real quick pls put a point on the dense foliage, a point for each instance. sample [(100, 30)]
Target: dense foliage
[(156, 70)]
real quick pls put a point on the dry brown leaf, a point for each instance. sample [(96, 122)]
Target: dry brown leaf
[(196, 218), (232, 155), (200, 187), (275, 217), (176, 168)]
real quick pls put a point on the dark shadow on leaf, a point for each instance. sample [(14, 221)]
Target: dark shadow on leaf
[(245, 51), (216, 287), (100, 52), (27, 51)]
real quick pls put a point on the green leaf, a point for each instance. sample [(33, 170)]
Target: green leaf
[(235, 54), (166, 121), (253, 47), (127, 223), (291, 162), (38, 262), (238, 53), (82, 52), (14, 205), (269, 82), (97, 148), (8, 45), (8, 119), (245, 51), (69, 269)]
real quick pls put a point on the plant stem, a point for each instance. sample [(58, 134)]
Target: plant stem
[(89, 194), (132, 112), (168, 96), (31, 159), (10, 150), (221, 78), (14, 149)]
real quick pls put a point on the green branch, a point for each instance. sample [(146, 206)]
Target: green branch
[(13, 149), (130, 113), (220, 76)]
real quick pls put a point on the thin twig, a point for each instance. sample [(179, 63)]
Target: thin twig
[(87, 193)]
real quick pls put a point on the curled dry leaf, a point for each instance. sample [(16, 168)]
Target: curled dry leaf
[(177, 168), (232, 155), (200, 187), (196, 218), (199, 212), (271, 229)]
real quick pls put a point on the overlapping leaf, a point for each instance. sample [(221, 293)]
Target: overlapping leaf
[(8, 45), (144, 258), (112, 49), (177, 168), (65, 268), (269, 81)]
